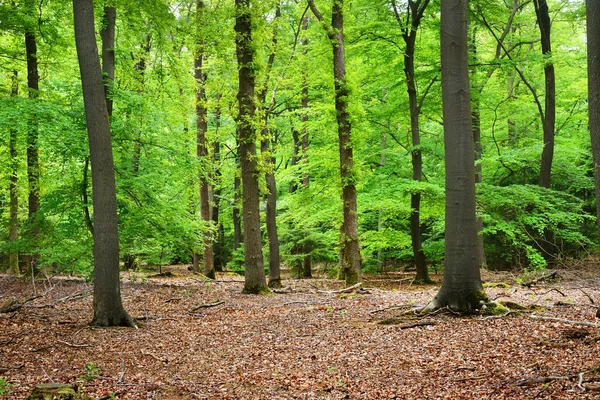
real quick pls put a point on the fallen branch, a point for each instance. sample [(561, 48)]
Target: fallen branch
[(544, 277), (565, 321), (73, 344), (283, 290), (416, 324), (209, 305), (345, 290), (173, 299), (73, 296)]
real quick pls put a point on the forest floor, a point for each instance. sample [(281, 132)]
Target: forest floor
[(310, 343)]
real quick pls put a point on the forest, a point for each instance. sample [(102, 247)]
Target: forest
[(300, 199)]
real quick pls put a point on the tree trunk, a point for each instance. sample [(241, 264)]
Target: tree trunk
[(476, 125), (416, 11), (202, 148), (293, 186), (271, 218), (107, 33), (543, 18), (255, 279), (108, 307), (593, 50), (237, 200), (351, 258), (13, 187), (218, 244), (461, 287), (307, 262), (33, 166)]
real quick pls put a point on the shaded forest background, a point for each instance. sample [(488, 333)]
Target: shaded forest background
[(154, 133)]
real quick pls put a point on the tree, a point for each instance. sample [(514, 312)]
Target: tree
[(351, 259), (415, 11), (593, 51), (108, 307), (202, 144), (255, 279), (461, 287), (33, 162), (549, 115), (13, 188)]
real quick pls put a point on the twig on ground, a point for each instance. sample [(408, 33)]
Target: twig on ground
[(74, 344), (416, 324), (345, 290), (580, 382), (47, 376), (391, 308), (543, 277), (588, 296), (173, 299), (41, 348), (122, 375), (565, 321), (216, 303)]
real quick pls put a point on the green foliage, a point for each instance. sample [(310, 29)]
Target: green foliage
[(526, 225), (4, 386)]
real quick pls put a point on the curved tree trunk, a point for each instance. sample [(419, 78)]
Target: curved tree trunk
[(461, 287), (108, 307), (593, 49), (351, 258), (255, 279)]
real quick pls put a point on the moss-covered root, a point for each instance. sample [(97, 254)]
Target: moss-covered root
[(467, 302)]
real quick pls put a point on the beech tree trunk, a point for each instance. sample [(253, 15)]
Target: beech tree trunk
[(271, 219), (351, 258), (33, 165), (593, 50), (108, 307), (13, 263), (219, 243), (255, 279), (549, 117), (202, 148), (461, 287)]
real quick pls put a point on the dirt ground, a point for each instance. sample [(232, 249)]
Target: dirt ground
[(309, 343)]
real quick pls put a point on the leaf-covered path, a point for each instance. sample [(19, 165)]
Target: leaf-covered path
[(307, 344)]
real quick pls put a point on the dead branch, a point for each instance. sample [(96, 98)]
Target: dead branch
[(73, 344), (588, 296), (283, 290), (209, 305), (544, 277), (41, 348), (403, 306), (349, 289), (173, 299), (416, 324), (74, 296), (564, 321)]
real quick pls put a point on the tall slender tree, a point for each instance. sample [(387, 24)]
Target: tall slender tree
[(351, 259), (255, 279), (593, 51), (202, 143), (307, 261), (549, 115), (108, 306), (13, 188), (415, 11), (33, 163), (461, 287)]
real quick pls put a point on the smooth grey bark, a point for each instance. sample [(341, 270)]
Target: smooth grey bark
[(254, 278), (461, 286), (202, 147), (593, 51), (549, 116), (351, 259), (13, 229), (108, 306)]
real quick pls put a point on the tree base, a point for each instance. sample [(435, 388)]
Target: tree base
[(105, 320)]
